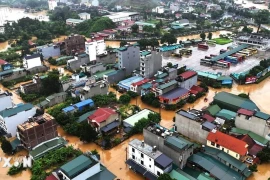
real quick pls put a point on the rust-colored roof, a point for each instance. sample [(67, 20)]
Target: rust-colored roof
[(102, 114), (188, 74), (246, 138), (255, 149), (208, 117), (229, 142), (51, 177), (245, 112), (139, 83)]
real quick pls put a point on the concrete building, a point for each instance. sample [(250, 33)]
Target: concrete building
[(84, 167), (78, 61), (78, 106), (175, 147), (73, 22), (31, 61), (109, 58), (114, 76), (130, 121), (37, 130), (230, 145), (187, 79), (165, 87), (93, 68), (213, 7), (127, 83), (84, 16), (147, 160), (52, 4), (129, 58), (141, 24), (104, 120), (158, 9), (95, 3), (31, 87), (94, 47), (254, 121), (74, 44), (174, 96), (5, 100), (150, 63), (257, 40), (11, 118), (137, 87), (53, 100), (49, 50), (118, 17), (191, 125)]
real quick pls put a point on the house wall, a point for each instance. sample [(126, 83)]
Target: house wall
[(113, 78), (253, 124), (5, 102), (189, 82), (112, 118), (10, 123), (155, 140), (30, 63), (150, 64), (172, 73), (95, 90), (109, 58), (95, 68), (231, 153), (75, 42), (129, 59), (76, 64), (163, 91), (90, 49), (190, 128)]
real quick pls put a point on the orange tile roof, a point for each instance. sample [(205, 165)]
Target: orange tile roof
[(229, 142), (102, 114)]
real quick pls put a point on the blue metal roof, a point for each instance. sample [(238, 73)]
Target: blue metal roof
[(85, 103), (186, 114), (68, 109), (163, 160), (127, 82), (235, 50), (209, 125), (110, 126)]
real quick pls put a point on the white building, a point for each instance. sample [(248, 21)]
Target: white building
[(147, 160), (158, 9), (189, 9), (30, 61), (11, 118), (5, 100), (95, 46), (85, 16), (95, 3), (122, 16), (52, 4)]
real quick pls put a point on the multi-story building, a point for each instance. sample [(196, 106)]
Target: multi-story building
[(37, 130), (158, 9), (230, 145), (78, 61), (147, 160), (187, 79), (31, 61), (74, 43), (5, 100), (150, 63), (129, 58), (95, 46), (11, 118), (175, 147), (52, 4), (85, 16), (31, 87), (53, 100), (137, 86), (254, 121)]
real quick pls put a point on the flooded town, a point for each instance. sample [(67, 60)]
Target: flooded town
[(130, 91)]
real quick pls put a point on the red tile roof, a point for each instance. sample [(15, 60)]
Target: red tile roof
[(208, 118), (139, 83), (245, 112), (188, 74), (51, 177), (228, 142), (2, 62), (95, 39), (102, 114)]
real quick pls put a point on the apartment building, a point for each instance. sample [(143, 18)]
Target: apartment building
[(150, 63), (94, 47), (74, 44)]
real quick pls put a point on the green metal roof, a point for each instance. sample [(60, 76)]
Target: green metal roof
[(14, 111), (176, 175), (168, 84), (207, 74), (163, 75), (229, 115), (236, 163), (104, 174), (254, 136), (214, 109), (76, 166), (50, 145), (222, 78), (145, 53), (233, 102), (122, 48), (85, 116), (146, 86), (15, 143), (205, 176), (178, 142), (100, 74), (262, 115)]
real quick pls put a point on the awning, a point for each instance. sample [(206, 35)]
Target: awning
[(136, 166), (110, 126)]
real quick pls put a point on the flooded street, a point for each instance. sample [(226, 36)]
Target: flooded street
[(248, 4)]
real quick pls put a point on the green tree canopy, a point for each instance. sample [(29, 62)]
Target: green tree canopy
[(51, 83), (262, 17), (209, 35), (165, 176), (122, 43), (168, 38), (135, 28), (87, 132), (203, 36), (6, 147), (124, 99)]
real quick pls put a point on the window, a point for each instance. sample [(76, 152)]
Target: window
[(236, 155), (228, 151), (217, 145), (133, 157), (142, 155), (247, 117), (222, 149), (142, 163), (212, 143), (149, 159), (158, 173), (133, 150), (150, 166)]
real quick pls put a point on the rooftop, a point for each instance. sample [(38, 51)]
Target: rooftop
[(127, 82), (138, 116), (74, 20), (187, 114), (229, 115), (139, 83), (228, 142), (175, 93), (163, 160), (168, 84), (36, 121), (178, 143), (146, 149), (262, 115), (85, 116), (188, 74), (245, 112), (84, 103), (27, 57), (213, 110), (102, 114), (16, 110), (208, 118)]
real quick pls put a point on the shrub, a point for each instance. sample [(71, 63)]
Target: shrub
[(124, 99)]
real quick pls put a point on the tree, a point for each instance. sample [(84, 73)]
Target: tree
[(148, 29), (124, 99), (169, 64), (243, 95), (87, 133), (6, 147), (261, 17), (134, 28), (264, 155), (165, 176), (202, 35), (169, 38), (253, 168), (209, 35), (51, 83), (247, 30), (123, 43)]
